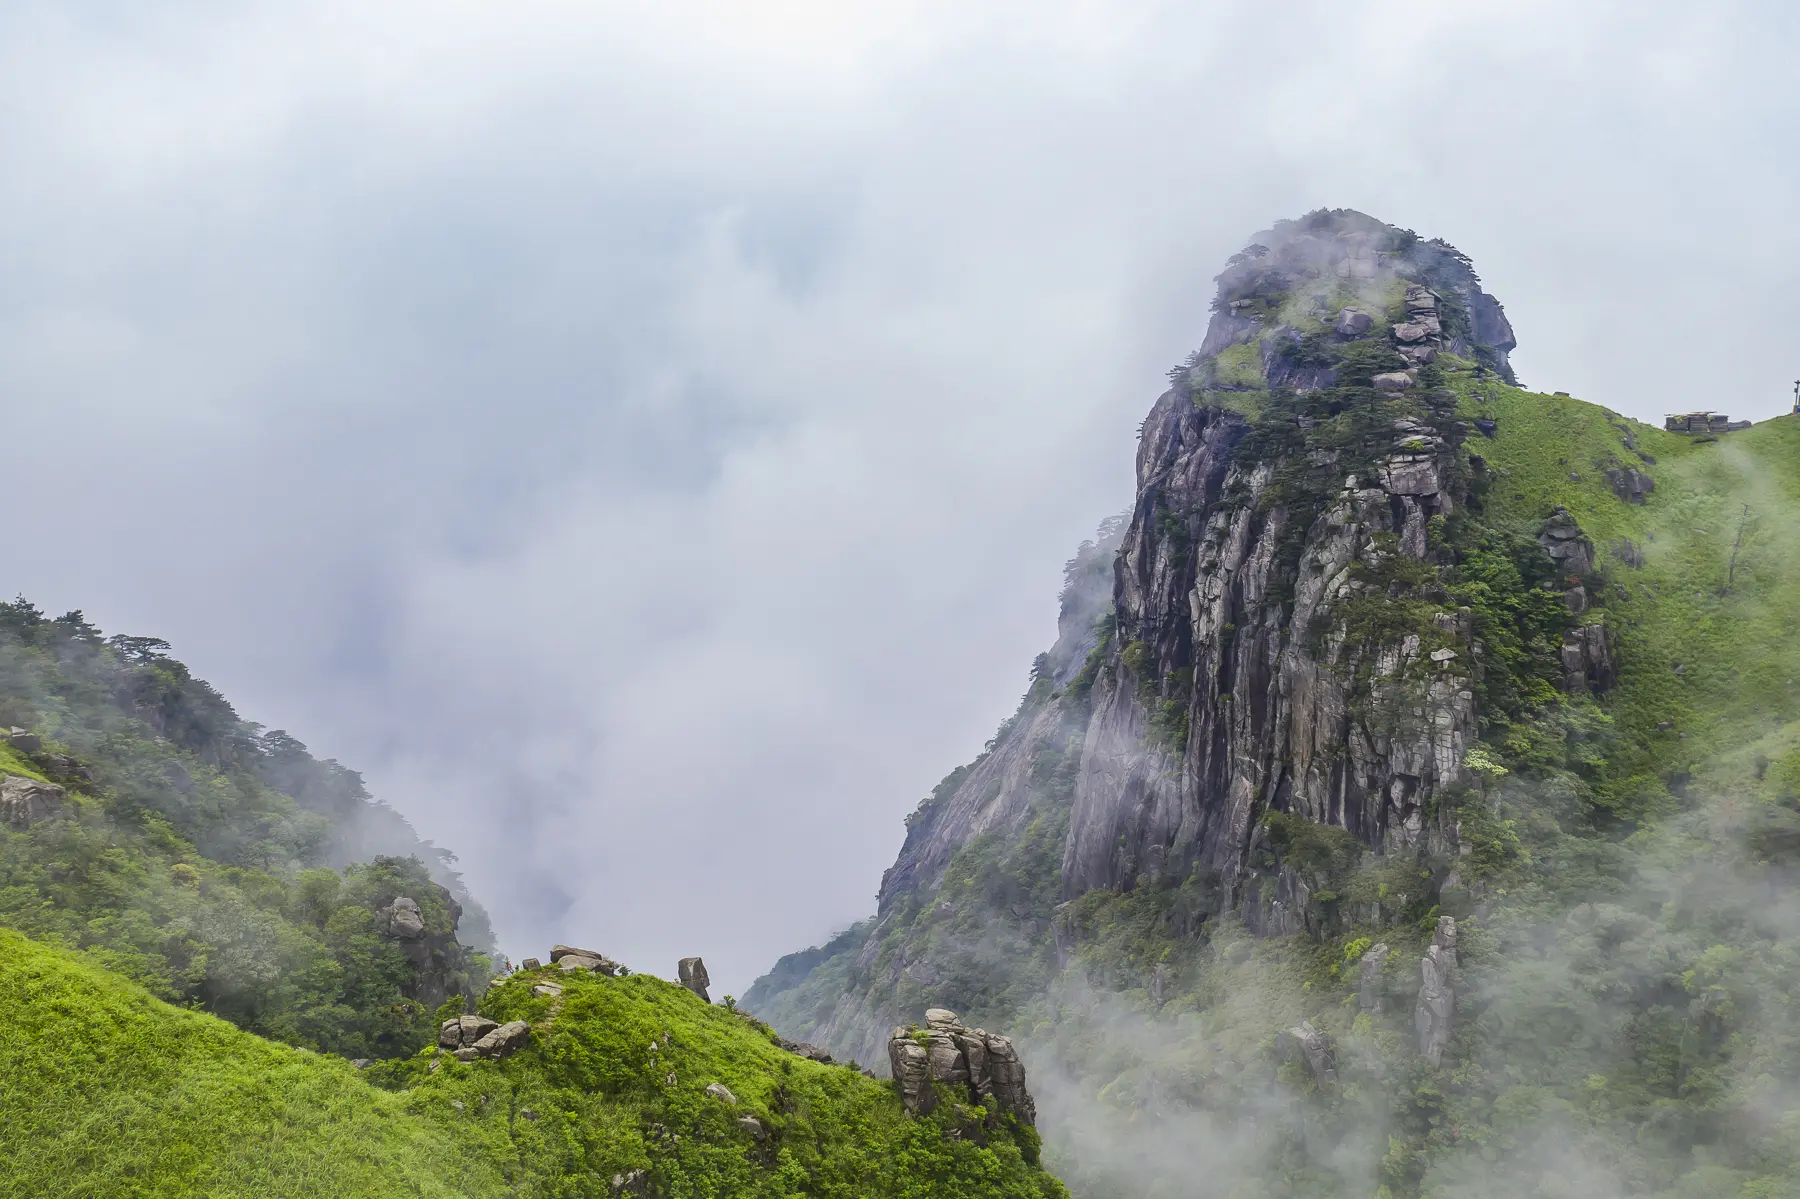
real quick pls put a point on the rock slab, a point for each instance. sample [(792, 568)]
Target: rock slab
[(25, 802)]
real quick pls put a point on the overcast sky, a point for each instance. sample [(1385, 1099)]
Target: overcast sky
[(645, 439)]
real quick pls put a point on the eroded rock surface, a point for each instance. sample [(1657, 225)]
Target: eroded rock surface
[(948, 1052), (404, 919), (25, 802), (1631, 484), (1369, 986), (1566, 544), (1436, 1008), (1316, 1051), (1587, 660), (693, 976), (473, 1037)]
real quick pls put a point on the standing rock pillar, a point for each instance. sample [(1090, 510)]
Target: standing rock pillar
[(1368, 983), (1437, 998), (692, 973)]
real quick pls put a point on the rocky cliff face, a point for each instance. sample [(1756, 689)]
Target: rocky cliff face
[(1280, 674)]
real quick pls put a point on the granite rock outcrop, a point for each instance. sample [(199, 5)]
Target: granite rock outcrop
[(25, 802), (949, 1053)]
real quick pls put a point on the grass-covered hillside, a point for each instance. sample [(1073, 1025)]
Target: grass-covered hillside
[(109, 1092), (215, 862), (1620, 855)]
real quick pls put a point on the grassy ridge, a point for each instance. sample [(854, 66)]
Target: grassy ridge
[(1716, 667), (110, 1092)]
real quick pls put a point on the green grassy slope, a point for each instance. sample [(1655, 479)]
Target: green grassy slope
[(110, 1092), (1716, 667)]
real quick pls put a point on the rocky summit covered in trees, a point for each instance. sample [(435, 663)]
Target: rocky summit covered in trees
[(1406, 805)]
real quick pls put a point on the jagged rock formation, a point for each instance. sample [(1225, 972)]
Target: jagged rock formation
[(441, 962), (1630, 484), (25, 802), (1437, 995), (1272, 706), (1587, 658), (472, 1037), (403, 918), (1566, 544), (1281, 679), (948, 1052), (693, 976)]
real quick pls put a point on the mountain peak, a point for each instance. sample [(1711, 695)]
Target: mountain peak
[(1296, 278)]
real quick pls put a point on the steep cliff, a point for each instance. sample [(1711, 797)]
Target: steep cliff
[(1276, 640), (1396, 654)]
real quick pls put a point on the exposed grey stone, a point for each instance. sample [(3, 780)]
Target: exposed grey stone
[(450, 1034), (753, 1126), (632, 1182), (404, 919), (1437, 998), (1563, 540), (559, 952), (693, 976), (470, 1029), (65, 766), (1587, 660), (507, 1038), (911, 1066), (582, 961), (1626, 551), (531, 964), (1321, 1063), (24, 802), (549, 990), (1392, 381), (24, 742), (950, 1053), (943, 1018), (1411, 475), (1352, 323), (1631, 484), (721, 1092), (1369, 982), (1411, 331)]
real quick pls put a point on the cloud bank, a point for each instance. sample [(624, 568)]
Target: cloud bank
[(646, 438)]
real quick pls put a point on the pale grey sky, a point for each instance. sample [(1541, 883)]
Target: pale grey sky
[(645, 438)]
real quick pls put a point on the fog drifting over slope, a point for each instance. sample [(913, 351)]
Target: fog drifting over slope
[(646, 439)]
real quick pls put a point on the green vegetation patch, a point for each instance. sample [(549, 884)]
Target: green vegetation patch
[(110, 1092)]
